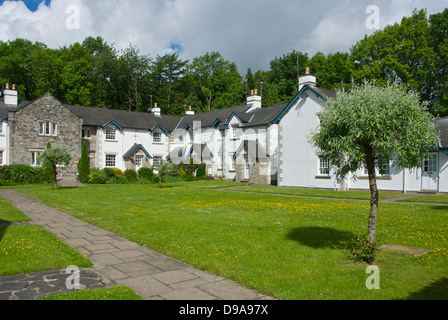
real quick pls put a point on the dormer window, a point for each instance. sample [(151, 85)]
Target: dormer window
[(236, 132), (110, 134), (157, 137)]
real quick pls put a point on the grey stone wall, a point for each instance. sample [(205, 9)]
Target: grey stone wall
[(91, 144), (258, 172), (24, 126)]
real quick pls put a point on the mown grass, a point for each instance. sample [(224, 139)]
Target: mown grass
[(107, 294), (9, 213), (352, 194), (287, 247), (31, 248), (428, 199)]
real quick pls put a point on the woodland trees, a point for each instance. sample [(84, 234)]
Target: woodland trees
[(93, 73)]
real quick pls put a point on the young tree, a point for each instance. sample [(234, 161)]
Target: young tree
[(84, 165), (54, 157), (370, 126)]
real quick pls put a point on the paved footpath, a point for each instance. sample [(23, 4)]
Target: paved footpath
[(116, 261)]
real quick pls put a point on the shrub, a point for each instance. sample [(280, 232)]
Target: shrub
[(171, 170), (145, 173), (97, 176), (19, 174), (84, 165), (201, 170), (118, 180), (118, 173), (362, 250), (130, 175), (109, 172), (189, 177)]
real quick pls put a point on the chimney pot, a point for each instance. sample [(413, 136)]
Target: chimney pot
[(307, 70), (13, 87), (7, 86), (251, 92)]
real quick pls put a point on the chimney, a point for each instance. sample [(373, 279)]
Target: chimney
[(10, 95), (254, 101), (156, 111), (307, 80), (190, 112)]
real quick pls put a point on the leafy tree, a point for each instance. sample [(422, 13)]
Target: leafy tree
[(284, 73), (370, 126), (215, 81), (54, 157), (439, 42), (103, 73), (400, 53), (167, 72), (75, 84), (84, 165), (131, 75)]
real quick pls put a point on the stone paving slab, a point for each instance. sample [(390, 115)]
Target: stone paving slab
[(40, 284), (117, 261)]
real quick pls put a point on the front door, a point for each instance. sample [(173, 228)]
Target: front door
[(430, 176), (138, 162), (246, 174)]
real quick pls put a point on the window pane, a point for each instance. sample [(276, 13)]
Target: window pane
[(110, 160), (324, 166), (110, 134), (157, 137)]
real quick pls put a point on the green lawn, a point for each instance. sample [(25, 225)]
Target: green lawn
[(428, 199), (9, 213), (287, 247), (352, 194), (113, 294), (31, 248)]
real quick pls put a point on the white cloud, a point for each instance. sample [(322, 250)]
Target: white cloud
[(248, 32)]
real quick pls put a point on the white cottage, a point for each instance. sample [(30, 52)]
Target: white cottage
[(248, 143)]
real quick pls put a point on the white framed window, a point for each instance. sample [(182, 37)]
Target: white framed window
[(157, 137), (385, 169), (34, 158), (110, 160), (86, 133), (1, 127), (430, 164), (48, 128), (324, 166), (156, 161), (1, 157), (191, 133), (236, 132), (111, 134)]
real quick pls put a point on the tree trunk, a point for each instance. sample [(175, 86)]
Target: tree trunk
[(373, 217)]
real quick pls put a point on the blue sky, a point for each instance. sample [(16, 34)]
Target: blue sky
[(31, 4), (250, 33)]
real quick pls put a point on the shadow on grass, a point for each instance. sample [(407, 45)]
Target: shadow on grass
[(319, 237), (2, 231), (441, 208), (435, 291)]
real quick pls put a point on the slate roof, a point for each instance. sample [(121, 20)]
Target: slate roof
[(126, 119), (134, 149), (148, 121), (442, 127)]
